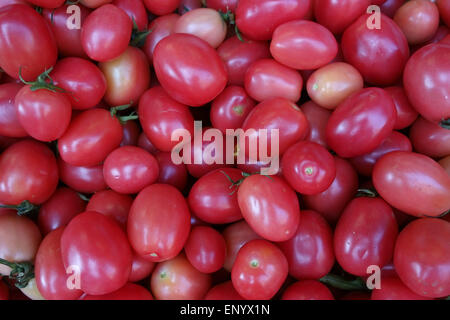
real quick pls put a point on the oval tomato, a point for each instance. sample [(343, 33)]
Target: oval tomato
[(82, 179)]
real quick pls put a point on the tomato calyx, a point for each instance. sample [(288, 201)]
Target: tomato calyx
[(24, 208), (445, 123), (339, 282), (123, 119), (43, 81), (138, 36), (21, 272), (364, 192), (237, 183), (230, 18)]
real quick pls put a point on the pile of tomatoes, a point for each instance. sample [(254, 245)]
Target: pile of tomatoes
[(92, 206)]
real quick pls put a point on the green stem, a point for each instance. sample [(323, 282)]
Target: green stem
[(43, 81), (83, 197), (21, 272), (445, 124), (124, 119), (138, 37), (363, 192), (24, 208), (343, 284)]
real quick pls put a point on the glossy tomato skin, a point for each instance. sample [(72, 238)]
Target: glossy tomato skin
[(129, 291), (361, 122), (238, 56), (51, 4), (135, 9), (27, 42), (412, 183), (190, 56), (308, 167), (111, 204), (84, 83), (51, 275), (257, 19), (28, 171), (307, 290), (105, 33), (310, 252), (161, 7), (259, 270), (406, 114), (100, 249), (82, 179), (9, 122), (161, 27), (57, 211), (91, 136), (177, 279), (379, 54), (158, 222), (266, 79), (223, 291), (430, 139), (160, 115), (317, 119), (94, 3), (426, 79), (45, 115), (303, 45), (270, 206), (210, 197), (365, 235), (393, 288), (140, 268), (422, 257)]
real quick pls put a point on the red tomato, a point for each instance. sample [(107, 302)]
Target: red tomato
[(27, 42), (266, 79), (430, 139), (365, 235), (412, 183), (223, 291), (239, 55), (160, 116), (406, 114), (82, 179), (9, 122), (97, 246), (129, 291), (379, 54), (259, 270), (392, 288), (390, 7), (188, 5), (140, 268), (222, 5), (82, 80), (307, 290), (422, 257), (310, 253), (269, 206), (361, 122), (303, 45), (161, 7), (94, 3), (189, 69), (135, 9), (28, 171), (426, 79), (158, 223), (257, 19), (57, 211), (8, 2), (131, 134), (171, 173), (161, 27), (51, 277), (91, 136), (111, 204), (177, 279), (317, 118), (444, 10), (105, 33)]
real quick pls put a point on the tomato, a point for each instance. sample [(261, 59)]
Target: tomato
[(140, 268), (336, 16), (94, 3), (160, 116), (331, 84), (222, 5), (379, 54), (425, 80), (422, 257), (191, 57), (9, 122), (177, 279), (317, 118), (27, 42), (444, 10), (257, 19), (239, 55), (390, 7), (161, 27), (307, 290), (303, 45), (188, 5), (28, 171), (430, 139), (205, 249), (105, 33), (308, 167), (266, 79), (19, 240), (418, 19), (158, 222), (412, 183), (45, 115), (82, 179), (57, 211), (406, 114), (8, 2), (97, 246), (259, 270), (84, 83), (223, 291), (365, 235), (111, 204), (394, 142), (135, 9), (205, 23), (51, 277), (171, 173), (361, 122), (269, 206), (129, 291), (230, 108), (393, 288), (161, 7), (91, 136), (310, 252), (131, 132)]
